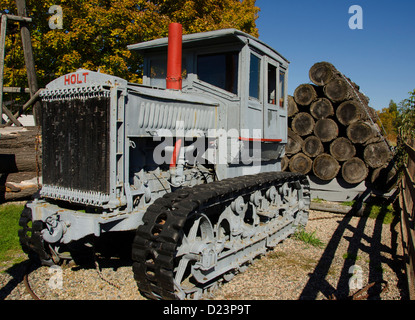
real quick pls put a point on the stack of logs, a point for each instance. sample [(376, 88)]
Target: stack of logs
[(20, 162), (332, 131)]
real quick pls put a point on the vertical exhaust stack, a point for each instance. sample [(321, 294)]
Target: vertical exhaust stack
[(174, 62)]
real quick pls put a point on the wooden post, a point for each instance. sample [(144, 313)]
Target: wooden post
[(406, 202), (2, 53), (26, 106), (29, 60)]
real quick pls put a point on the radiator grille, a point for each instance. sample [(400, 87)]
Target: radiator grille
[(75, 144)]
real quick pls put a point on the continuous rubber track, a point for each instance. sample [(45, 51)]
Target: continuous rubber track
[(156, 241)]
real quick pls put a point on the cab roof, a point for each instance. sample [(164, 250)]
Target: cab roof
[(210, 38)]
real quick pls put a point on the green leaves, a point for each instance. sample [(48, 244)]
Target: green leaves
[(407, 117)]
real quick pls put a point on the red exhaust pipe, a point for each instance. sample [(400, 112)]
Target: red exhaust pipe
[(174, 59), (176, 153)]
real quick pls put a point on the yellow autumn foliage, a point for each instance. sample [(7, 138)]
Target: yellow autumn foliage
[(96, 33)]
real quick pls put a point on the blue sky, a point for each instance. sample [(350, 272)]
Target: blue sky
[(380, 58)]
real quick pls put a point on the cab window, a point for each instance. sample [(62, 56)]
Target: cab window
[(254, 77), (282, 87), (158, 71), (219, 70), (272, 84)]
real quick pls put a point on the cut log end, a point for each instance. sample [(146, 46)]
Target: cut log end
[(354, 171), (385, 178), (349, 111), (326, 129), (377, 155), (337, 90), (294, 144), (305, 94), (284, 163), (325, 167), (360, 132), (322, 73), (292, 107), (321, 108), (300, 163), (313, 147), (342, 149), (303, 124)]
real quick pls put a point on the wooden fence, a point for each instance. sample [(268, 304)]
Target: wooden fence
[(406, 200)]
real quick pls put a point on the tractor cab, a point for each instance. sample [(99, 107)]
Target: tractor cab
[(247, 77)]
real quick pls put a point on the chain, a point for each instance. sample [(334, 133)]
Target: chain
[(98, 269)]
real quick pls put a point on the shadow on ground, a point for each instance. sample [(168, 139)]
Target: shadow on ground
[(317, 282)]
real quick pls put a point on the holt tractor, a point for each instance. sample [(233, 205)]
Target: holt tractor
[(189, 161)]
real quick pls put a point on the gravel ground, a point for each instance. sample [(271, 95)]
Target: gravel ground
[(294, 270)]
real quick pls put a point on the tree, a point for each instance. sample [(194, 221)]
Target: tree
[(96, 33), (388, 120), (407, 117)]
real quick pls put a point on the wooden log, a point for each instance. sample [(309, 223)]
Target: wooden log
[(13, 137), (12, 118), (313, 147), (326, 129), (19, 160), (18, 150), (300, 163), (377, 154), (321, 108), (350, 111), (17, 186), (18, 177), (330, 207), (303, 124), (292, 107), (360, 132), (338, 90), (305, 94), (26, 106), (385, 177), (342, 149), (377, 136), (354, 171), (294, 143), (325, 167), (284, 163), (322, 73), (375, 139)]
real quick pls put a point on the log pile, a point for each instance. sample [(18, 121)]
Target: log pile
[(332, 131), (20, 162)]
